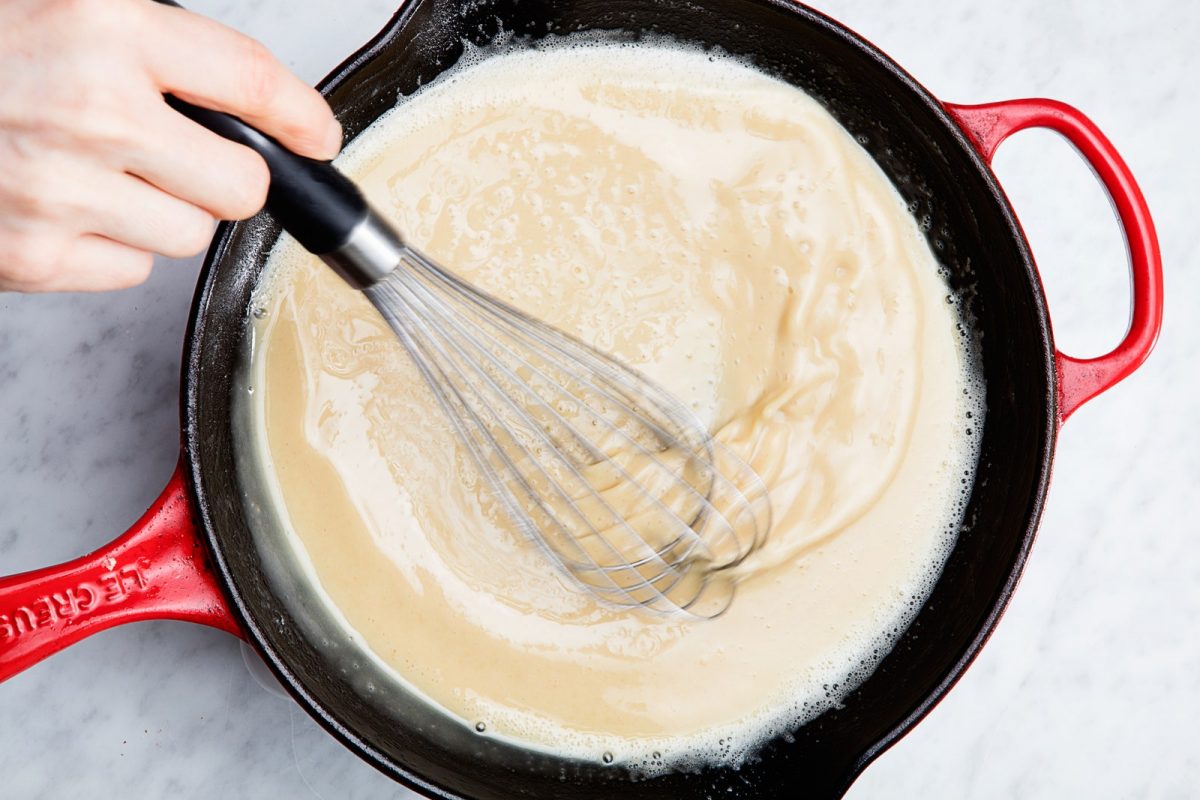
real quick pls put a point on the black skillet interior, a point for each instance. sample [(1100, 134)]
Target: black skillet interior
[(975, 236)]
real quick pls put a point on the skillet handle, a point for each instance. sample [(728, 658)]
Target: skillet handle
[(1080, 379), (155, 570)]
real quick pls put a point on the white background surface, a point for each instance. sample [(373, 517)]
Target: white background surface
[(1091, 685)]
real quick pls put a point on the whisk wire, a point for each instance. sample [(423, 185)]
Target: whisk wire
[(512, 316), (589, 447), (511, 385), (596, 456), (506, 316), (656, 557), (496, 447)]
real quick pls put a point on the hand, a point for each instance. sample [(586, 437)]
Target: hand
[(97, 173)]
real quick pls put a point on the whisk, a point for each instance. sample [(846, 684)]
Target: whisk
[(616, 480)]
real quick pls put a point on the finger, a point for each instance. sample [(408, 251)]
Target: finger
[(130, 211), (227, 180), (97, 264), (86, 264), (205, 63)]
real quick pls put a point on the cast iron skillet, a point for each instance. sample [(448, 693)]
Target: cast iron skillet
[(192, 556)]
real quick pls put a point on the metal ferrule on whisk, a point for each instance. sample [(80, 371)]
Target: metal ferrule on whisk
[(372, 251)]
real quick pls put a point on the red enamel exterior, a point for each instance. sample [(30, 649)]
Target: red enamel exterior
[(155, 570), (1081, 379)]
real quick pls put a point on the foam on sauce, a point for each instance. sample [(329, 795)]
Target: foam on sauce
[(719, 230)]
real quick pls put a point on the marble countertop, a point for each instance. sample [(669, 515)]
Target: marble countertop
[(1089, 687)]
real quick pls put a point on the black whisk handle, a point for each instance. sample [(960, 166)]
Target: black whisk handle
[(311, 199), (314, 202)]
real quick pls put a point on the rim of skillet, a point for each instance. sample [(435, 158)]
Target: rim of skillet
[(193, 446)]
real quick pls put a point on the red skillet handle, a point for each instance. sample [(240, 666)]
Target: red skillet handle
[(155, 570), (1080, 379)]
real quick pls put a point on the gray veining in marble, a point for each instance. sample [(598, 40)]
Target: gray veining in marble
[(1089, 687)]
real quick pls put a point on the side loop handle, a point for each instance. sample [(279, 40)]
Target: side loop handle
[(1080, 379)]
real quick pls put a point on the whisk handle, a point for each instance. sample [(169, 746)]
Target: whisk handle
[(311, 199), (314, 202)]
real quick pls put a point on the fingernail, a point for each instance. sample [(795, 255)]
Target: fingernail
[(333, 139)]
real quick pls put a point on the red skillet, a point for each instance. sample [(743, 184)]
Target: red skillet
[(191, 556)]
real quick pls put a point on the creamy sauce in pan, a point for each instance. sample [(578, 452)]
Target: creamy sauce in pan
[(715, 228)]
